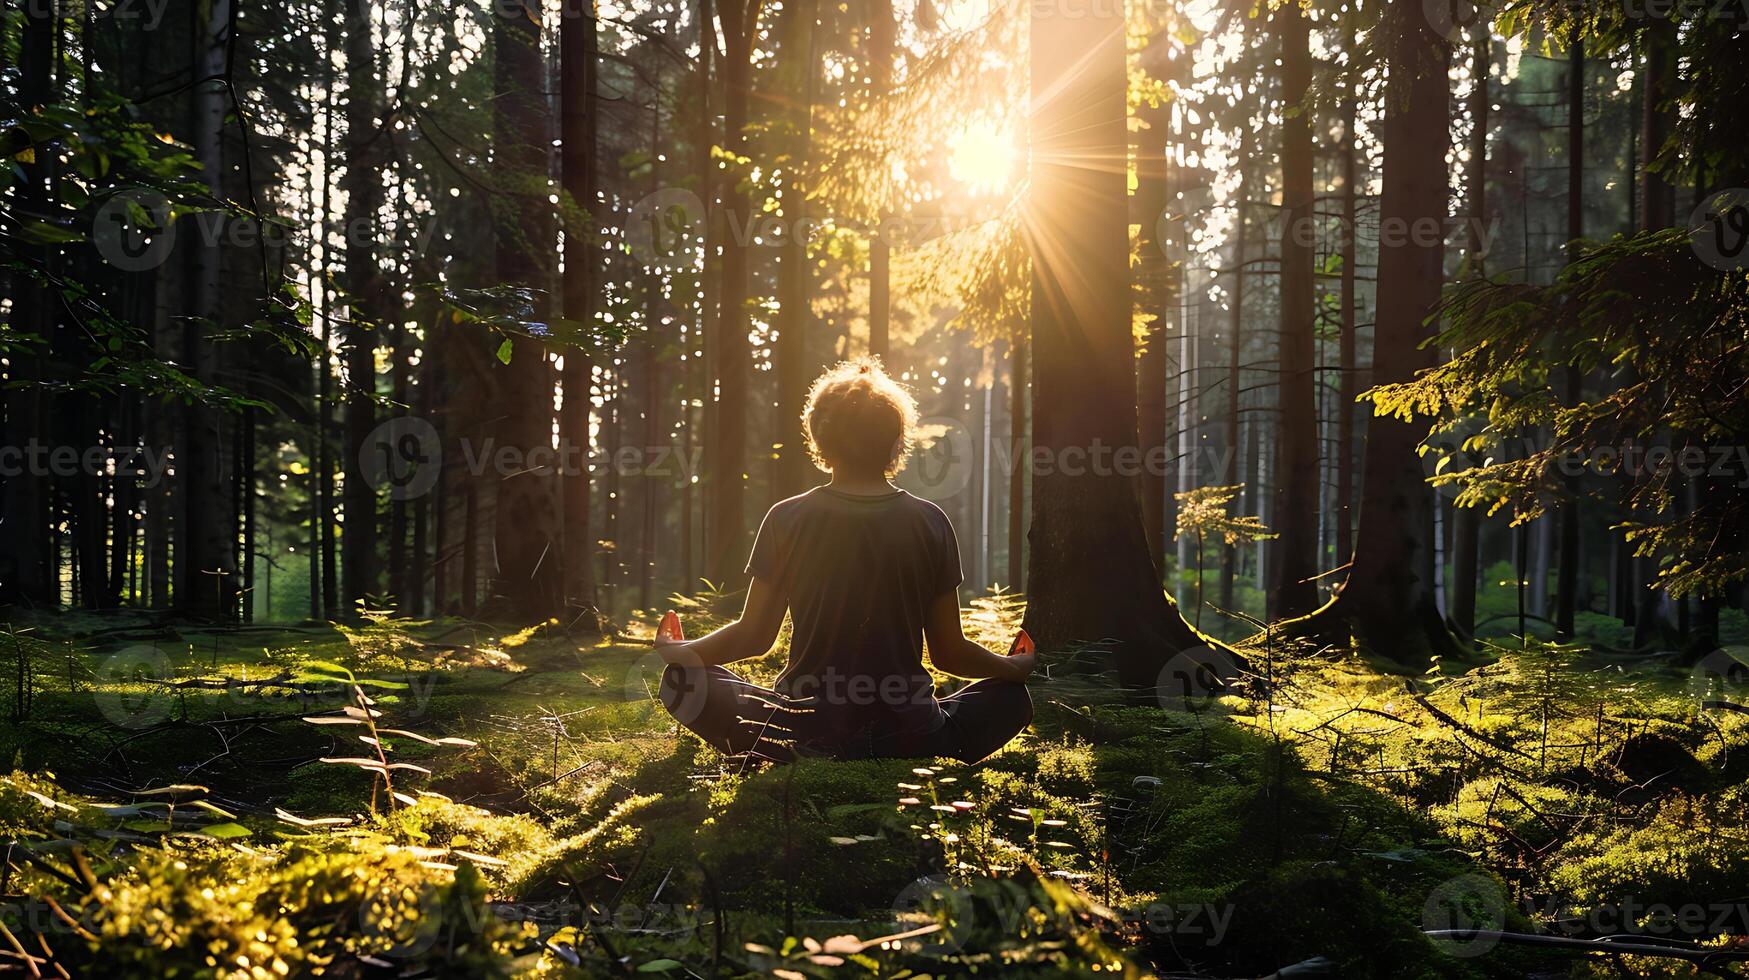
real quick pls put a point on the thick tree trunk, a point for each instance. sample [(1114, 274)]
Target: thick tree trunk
[(1293, 590), (1091, 578), (529, 585), (577, 158), (1388, 601)]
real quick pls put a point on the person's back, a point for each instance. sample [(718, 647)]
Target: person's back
[(858, 574), (866, 572)]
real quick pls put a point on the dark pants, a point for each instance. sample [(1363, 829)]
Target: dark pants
[(737, 717)]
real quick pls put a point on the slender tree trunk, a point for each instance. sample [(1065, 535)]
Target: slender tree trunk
[(1567, 571), (364, 290), (1294, 590), (1153, 199), (206, 571), (696, 383), (1657, 120), (882, 29), (794, 286), (1467, 521), (26, 574), (1017, 458), (727, 531), (1090, 574), (1236, 347), (578, 62)]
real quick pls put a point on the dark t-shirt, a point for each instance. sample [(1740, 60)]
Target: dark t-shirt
[(858, 574)]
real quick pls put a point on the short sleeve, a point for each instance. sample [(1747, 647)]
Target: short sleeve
[(767, 558), (948, 573)]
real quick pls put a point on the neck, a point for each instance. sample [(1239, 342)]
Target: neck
[(861, 485)]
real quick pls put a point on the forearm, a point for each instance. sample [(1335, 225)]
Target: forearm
[(972, 662), (725, 645)]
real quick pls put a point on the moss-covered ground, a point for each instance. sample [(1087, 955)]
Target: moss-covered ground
[(170, 814)]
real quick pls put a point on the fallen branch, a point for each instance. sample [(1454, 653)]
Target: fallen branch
[(1693, 954)]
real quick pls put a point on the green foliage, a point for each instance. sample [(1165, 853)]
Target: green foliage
[(1667, 329)]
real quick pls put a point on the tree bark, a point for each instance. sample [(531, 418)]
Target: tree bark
[(795, 288), (1236, 348), (529, 584), (26, 575), (882, 30), (364, 290), (1567, 570), (206, 569), (579, 151), (1467, 521), (727, 530), (1388, 600), (1294, 590), (1090, 576), (1017, 459), (1153, 199)]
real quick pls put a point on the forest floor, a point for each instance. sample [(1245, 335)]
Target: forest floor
[(170, 797)]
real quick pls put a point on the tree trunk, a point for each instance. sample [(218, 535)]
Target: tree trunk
[(1350, 381), (1567, 571), (26, 575), (882, 29), (1236, 347), (529, 586), (1467, 521), (577, 158), (206, 570), (1388, 601), (794, 277), (1017, 459), (364, 292), (1090, 575), (1294, 590), (727, 531), (1153, 198)]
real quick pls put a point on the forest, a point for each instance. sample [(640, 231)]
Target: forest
[(1339, 409)]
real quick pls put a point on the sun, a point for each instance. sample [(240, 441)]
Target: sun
[(983, 157)]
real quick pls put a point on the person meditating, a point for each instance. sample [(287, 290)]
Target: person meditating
[(867, 571)]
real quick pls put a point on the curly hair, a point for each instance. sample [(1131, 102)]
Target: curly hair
[(858, 418)]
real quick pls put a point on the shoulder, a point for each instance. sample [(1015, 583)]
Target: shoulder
[(933, 515), (785, 511)]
